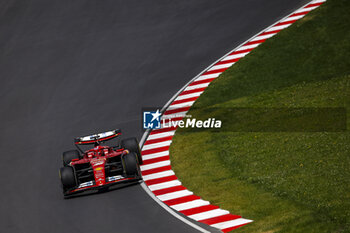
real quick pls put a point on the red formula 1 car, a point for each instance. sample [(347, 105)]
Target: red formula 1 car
[(102, 166)]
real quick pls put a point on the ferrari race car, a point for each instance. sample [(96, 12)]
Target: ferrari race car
[(102, 166)]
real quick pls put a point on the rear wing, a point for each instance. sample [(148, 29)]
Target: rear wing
[(97, 137)]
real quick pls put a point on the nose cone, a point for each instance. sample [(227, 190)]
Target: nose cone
[(98, 166)]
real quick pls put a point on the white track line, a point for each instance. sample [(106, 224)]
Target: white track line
[(164, 185), (161, 135), (158, 175), (306, 9), (155, 165), (156, 145), (190, 205), (185, 104), (155, 155), (278, 27), (227, 65), (173, 195), (231, 223), (207, 76), (292, 18), (264, 37), (247, 47), (208, 214), (181, 97), (240, 55), (196, 86)]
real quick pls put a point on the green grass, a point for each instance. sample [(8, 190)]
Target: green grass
[(284, 181)]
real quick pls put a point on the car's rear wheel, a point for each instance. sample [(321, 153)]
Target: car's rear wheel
[(131, 165), (132, 145), (68, 156), (68, 178)]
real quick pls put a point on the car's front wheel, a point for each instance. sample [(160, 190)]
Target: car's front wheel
[(68, 156), (132, 145), (131, 165), (68, 178)]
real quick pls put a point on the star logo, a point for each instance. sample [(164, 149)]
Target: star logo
[(151, 119), (156, 115)]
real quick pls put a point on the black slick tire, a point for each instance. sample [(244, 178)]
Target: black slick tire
[(132, 145), (68, 178), (131, 165), (68, 156)]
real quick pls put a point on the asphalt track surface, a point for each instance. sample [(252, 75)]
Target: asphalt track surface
[(70, 68)]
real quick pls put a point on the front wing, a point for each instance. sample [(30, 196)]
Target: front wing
[(91, 185)]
